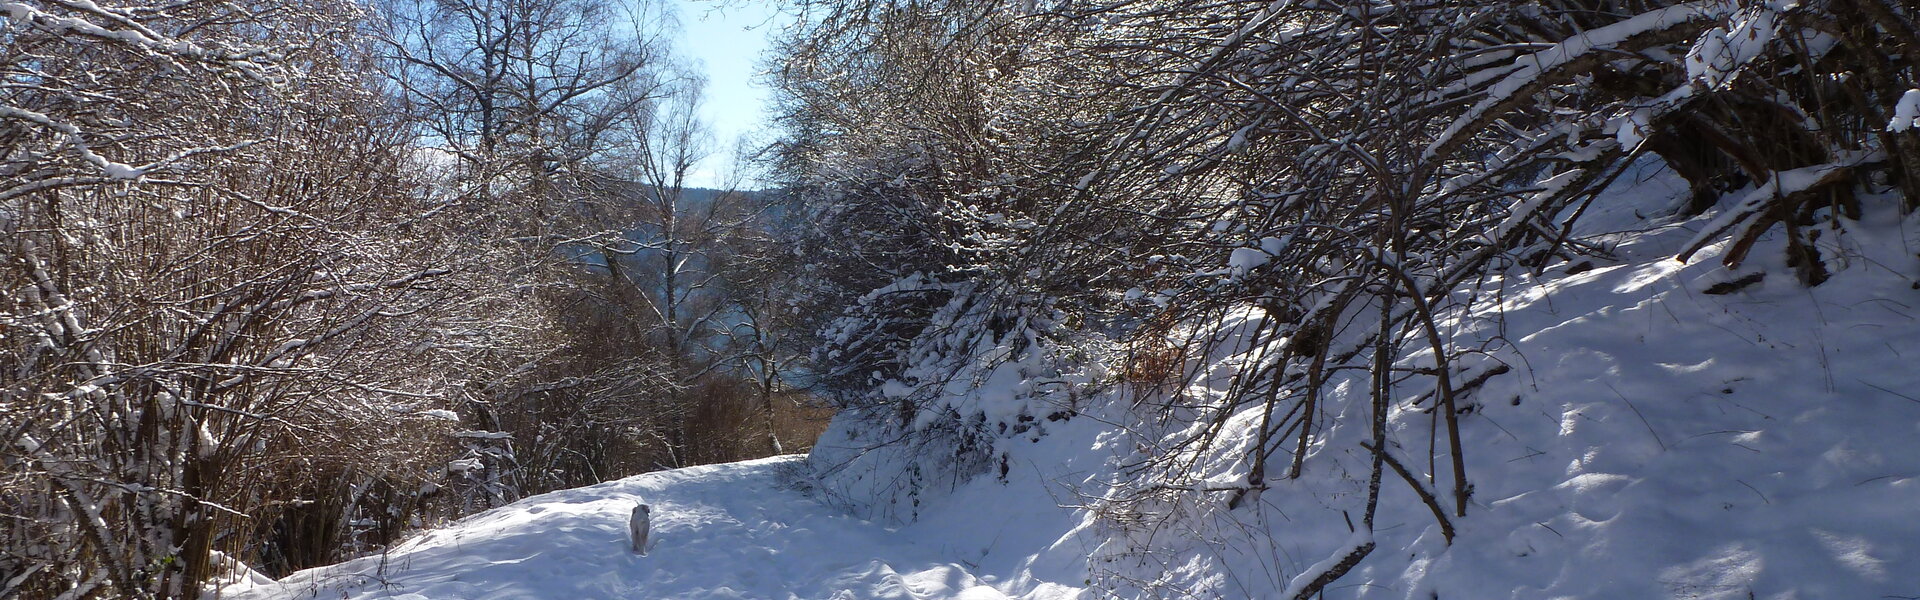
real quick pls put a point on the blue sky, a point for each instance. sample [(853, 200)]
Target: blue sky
[(726, 38)]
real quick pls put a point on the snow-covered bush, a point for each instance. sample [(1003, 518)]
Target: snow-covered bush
[(932, 380)]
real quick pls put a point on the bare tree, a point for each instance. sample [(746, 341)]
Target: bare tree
[(526, 100), (210, 291), (244, 283), (694, 260)]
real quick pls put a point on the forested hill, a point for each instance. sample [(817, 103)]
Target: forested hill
[(1107, 298)]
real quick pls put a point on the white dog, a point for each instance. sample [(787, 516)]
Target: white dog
[(639, 526)]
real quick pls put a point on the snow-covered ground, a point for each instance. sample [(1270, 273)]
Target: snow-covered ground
[(734, 531)]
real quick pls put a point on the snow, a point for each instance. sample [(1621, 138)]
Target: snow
[(113, 170), (1525, 210), (1781, 184), (1299, 583), (1906, 113), (236, 574), (1717, 57), (1531, 68), (20, 14), (744, 530), (1242, 260)]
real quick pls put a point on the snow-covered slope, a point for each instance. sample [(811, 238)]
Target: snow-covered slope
[(1661, 442), (1651, 440)]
